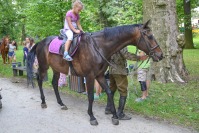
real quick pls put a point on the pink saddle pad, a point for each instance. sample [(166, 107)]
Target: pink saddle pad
[(55, 45)]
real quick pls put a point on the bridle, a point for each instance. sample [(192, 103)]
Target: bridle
[(150, 49)]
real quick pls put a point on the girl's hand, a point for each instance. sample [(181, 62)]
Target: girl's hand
[(77, 31)]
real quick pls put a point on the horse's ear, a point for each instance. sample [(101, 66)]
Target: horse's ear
[(146, 24)]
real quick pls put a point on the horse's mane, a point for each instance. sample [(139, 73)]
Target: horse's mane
[(4, 41), (115, 32)]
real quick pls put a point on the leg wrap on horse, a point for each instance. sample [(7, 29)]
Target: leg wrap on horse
[(143, 85)]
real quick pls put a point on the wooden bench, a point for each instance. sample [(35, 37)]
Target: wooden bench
[(17, 68)]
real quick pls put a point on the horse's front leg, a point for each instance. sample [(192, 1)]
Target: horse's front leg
[(55, 79), (90, 91), (103, 83)]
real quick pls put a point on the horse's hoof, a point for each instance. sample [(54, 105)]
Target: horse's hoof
[(44, 105), (94, 122), (115, 121), (64, 107)]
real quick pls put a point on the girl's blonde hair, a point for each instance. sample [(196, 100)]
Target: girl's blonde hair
[(77, 3)]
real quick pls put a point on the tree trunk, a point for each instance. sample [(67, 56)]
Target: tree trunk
[(23, 31), (164, 27), (187, 24)]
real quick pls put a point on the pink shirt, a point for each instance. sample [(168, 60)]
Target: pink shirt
[(74, 19)]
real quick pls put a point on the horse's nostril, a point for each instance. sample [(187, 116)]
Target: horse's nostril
[(162, 56)]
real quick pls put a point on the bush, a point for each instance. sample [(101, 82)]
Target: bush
[(195, 32)]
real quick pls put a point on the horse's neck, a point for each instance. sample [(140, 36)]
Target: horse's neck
[(113, 46)]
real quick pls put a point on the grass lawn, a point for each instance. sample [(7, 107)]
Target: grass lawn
[(176, 103)]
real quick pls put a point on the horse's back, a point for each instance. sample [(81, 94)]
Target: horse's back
[(46, 41)]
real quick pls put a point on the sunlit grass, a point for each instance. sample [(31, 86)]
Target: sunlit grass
[(196, 42)]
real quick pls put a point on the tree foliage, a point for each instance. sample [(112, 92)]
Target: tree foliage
[(180, 10), (41, 18), (8, 19)]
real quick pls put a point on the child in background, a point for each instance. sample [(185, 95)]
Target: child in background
[(62, 80), (11, 52), (143, 76), (25, 53), (72, 24), (98, 89)]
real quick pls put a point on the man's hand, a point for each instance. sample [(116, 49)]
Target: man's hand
[(143, 57)]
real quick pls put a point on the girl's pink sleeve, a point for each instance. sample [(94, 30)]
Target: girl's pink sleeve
[(69, 14)]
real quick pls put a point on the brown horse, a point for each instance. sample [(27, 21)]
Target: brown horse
[(4, 49), (91, 59)]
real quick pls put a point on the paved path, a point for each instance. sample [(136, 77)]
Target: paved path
[(21, 113)]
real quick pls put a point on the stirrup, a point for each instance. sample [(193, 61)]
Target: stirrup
[(68, 58)]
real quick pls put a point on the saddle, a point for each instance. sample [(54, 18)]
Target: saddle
[(57, 45)]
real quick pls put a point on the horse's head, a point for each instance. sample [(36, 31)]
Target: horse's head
[(148, 43)]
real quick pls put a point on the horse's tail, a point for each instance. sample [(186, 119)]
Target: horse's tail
[(29, 64)]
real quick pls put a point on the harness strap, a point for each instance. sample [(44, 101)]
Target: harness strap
[(69, 62), (104, 58)]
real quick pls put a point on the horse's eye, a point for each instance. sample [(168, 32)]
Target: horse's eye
[(150, 37)]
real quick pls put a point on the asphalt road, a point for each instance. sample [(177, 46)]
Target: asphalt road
[(22, 113)]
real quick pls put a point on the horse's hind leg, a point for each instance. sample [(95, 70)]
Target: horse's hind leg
[(55, 86), (40, 78)]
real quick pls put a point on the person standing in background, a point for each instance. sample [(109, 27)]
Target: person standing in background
[(144, 77), (27, 43), (98, 90), (62, 80), (25, 53), (11, 52)]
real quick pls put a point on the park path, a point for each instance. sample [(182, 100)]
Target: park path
[(21, 113)]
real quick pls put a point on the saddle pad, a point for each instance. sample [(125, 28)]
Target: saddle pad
[(55, 45)]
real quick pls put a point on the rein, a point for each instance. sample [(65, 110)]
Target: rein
[(104, 58)]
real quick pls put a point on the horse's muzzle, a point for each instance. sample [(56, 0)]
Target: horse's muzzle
[(157, 57)]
